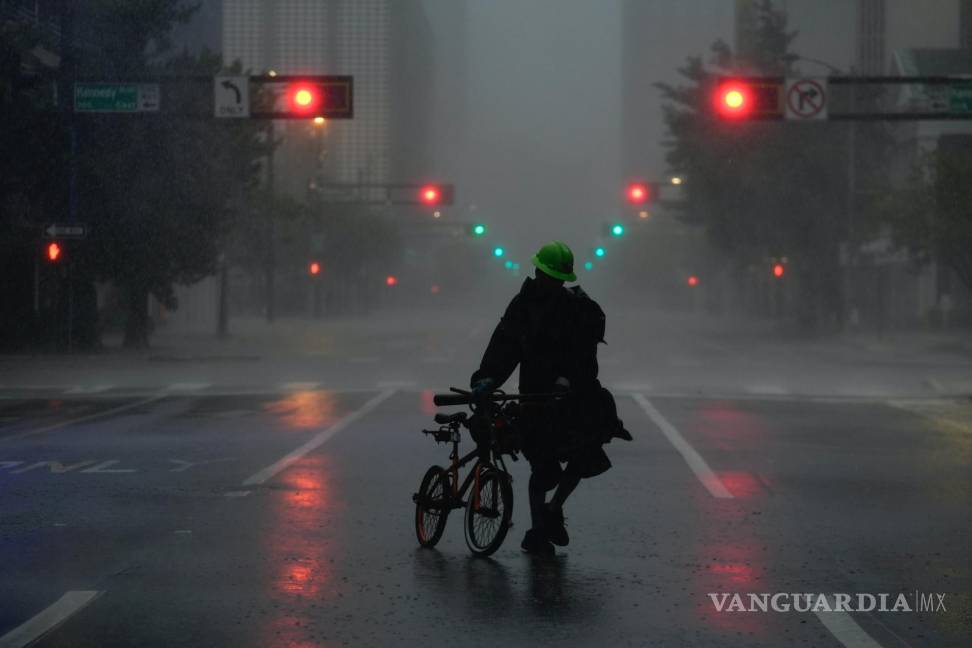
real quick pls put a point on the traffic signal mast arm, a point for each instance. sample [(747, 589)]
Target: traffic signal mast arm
[(740, 98)]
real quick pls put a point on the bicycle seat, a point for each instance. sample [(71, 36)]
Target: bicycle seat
[(443, 419)]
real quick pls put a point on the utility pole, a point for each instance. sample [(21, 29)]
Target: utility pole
[(271, 216), (68, 76)]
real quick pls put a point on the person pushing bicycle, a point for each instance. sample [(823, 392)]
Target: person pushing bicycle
[(552, 333)]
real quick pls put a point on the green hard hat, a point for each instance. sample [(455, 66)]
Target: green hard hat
[(556, 260)]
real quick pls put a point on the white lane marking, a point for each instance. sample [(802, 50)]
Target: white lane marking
[(845, 629), (299, 386), (363, 359), (90, 389), (766, 390), (316, 441), (239, 493), (395, 384), (632, 387), (692, 458), (105, 467), (42, 623), (935, 384), (183, 532), (189, 386), (85, 419)]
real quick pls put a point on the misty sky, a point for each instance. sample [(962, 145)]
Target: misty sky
[(544, 90)]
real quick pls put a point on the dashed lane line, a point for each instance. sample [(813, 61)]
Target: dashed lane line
[(89, 389), (316, 441), (84, 419), (50, 618), (845, 629), (692, 458)]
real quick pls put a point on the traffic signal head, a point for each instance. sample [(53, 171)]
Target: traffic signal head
[(498, 251), (391, 280), (314, 268), (478, 229), (748, 98), (693, 281), (430, 194), (53, 251), (617, 229), (588, 265), (599, 251), (638, 193), (778, 270), (305, 99)]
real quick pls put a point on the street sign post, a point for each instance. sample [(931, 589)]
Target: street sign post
[(805, 99), (116, 97), (231, 96), (65, 231)]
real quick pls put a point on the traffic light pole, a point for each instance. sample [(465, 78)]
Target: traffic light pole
[(271, 269)]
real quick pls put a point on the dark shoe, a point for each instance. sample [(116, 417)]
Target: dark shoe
[(534, 542), (553, 525)]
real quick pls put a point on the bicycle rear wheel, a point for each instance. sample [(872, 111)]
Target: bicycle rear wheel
[(486, 524), (432, 506)]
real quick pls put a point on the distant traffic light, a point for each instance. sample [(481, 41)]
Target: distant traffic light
[(779, 270), (478, 229), (391, 280), (508, 264), (53, 251), (434, 194), (693, 281), (314, 268), (638, 193), (498, 251), (599, 251), (617, 229), (588, 265)]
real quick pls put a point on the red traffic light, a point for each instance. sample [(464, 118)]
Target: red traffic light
[(638, 193), (315, 268), (734, 100), (53, 251), (391, 280), (305, 99), (430, 194), (778, 270), (693, 281)]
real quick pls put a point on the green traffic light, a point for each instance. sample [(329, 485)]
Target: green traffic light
[(479, 229), (509, 264), (599, 251), (588, 265), (498, 252), (617, 229)]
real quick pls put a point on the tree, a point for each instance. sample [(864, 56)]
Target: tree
[(930, 216), (762, 189), (157, 190)]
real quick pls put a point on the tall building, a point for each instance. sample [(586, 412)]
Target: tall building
[(871, 29), (386, 45)]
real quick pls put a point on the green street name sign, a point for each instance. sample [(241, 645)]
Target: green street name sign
[(960, 98), (116, 97)]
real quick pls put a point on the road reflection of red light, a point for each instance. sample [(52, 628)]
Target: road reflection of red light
[(299, 551), (426, 403), (733, 572), (741, 484), (305, 409)]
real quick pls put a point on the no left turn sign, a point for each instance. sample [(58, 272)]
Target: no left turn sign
[(805, 99)]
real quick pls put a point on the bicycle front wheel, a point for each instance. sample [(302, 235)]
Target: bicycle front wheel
[(488, 515), (432, 506)]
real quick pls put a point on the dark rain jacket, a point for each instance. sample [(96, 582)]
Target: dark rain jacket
[(549, 336)]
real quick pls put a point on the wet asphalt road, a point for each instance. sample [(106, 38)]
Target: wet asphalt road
[(203, 514)]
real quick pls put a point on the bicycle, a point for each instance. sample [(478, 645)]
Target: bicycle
[(489, 509)]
